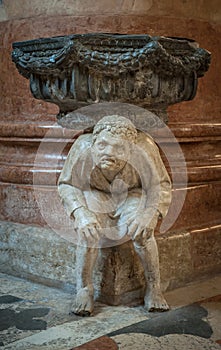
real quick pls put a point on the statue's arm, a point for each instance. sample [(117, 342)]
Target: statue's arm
[(156, 189), (70, 184), (72, 196), (165, 186), (158, 184)]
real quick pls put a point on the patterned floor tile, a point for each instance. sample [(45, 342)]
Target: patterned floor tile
[(190, 319), (140, 341)]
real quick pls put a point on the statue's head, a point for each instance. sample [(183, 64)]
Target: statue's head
[(112, 139), (117, 126)]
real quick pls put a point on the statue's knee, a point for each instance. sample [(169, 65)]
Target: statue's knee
[(140, 240), (87, 241)]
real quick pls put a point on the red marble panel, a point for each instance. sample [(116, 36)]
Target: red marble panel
[(29, 204), (104, 343), (201, 206), (206, 249)]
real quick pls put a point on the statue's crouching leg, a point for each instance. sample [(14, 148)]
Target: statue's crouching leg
[(146, 247), (85, 262)]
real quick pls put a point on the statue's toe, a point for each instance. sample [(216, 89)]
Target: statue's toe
[(156, 303), (84, 303)]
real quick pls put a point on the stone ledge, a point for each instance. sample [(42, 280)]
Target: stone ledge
[(51, 130), (41, 255)]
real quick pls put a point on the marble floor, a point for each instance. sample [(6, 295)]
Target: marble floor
[(36, 317)]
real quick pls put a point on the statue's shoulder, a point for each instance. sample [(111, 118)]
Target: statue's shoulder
[(81, 147), (144, 139), (147, 144), (83, 142)]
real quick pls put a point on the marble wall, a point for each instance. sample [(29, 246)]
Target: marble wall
[(25, 121)]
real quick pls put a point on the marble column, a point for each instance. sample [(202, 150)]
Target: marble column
[(190, 249)]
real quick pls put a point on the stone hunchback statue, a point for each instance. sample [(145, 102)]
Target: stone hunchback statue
[(114, 184), (115, 187)]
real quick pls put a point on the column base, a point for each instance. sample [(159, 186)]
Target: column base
[(39, 254)]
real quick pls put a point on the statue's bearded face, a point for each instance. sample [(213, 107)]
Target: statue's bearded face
[(110, 152)]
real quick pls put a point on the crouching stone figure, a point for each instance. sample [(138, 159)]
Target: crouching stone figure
[(115, 187)]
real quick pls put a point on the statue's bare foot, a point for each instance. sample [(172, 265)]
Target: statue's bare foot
[(84, 303), (155, 302)]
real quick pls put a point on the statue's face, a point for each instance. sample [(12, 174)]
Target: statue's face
[(110, 152)]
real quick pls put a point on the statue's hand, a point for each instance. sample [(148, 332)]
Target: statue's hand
[(142, 222), (87, 224)]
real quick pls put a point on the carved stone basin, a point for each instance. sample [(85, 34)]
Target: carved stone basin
[(78, 70)]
